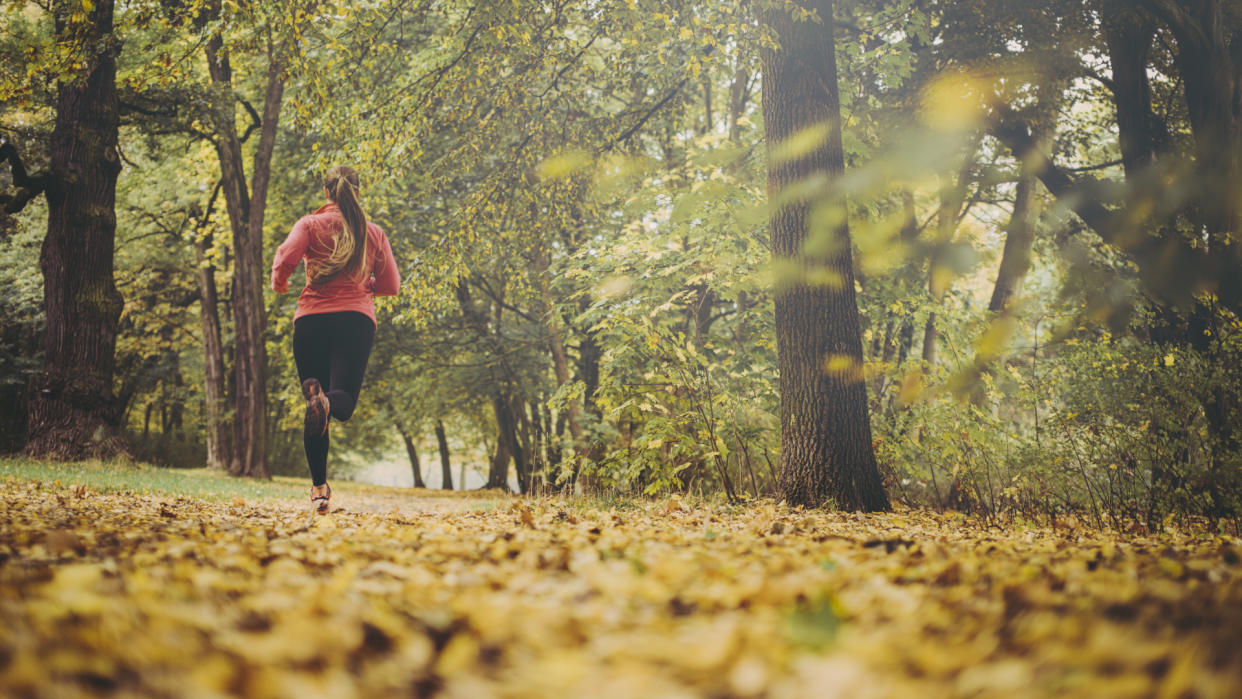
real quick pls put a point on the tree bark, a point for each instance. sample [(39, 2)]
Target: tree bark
[(1173, 266), (217, 428), (738, 93), (14, 389), (498, 470), (246, 207), (826, 449), (952, 197), (72, 410), (560, 358), (446, 471), (538, 457), (1209, 61), (1019, 237), (1128, 34), (507, 447), (412, 452)]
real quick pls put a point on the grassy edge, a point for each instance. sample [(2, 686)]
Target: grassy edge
[(202, 483)]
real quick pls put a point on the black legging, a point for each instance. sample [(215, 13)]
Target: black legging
[(334, 348)]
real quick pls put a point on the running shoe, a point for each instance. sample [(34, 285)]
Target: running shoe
[(319, 495), (316, 408)]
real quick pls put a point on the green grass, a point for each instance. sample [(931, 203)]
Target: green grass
[(119, 476)]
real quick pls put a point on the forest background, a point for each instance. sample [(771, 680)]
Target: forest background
[(1043, 200)]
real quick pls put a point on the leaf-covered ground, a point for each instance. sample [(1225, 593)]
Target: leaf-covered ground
[(155, 594)]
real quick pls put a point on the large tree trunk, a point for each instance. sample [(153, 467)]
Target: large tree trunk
[(1128, 34), (412, 452), (1209, 60), (1212, 80), (826, 450), (446, 472), (246, 211), (72, 412)]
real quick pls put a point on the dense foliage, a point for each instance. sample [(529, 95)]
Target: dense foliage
[(1044, 243)]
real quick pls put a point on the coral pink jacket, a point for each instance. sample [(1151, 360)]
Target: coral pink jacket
[(311, 239)]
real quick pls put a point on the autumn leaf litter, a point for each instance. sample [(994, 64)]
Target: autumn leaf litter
[(159, 595)]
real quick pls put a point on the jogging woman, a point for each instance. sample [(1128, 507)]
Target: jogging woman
[(348, 261)]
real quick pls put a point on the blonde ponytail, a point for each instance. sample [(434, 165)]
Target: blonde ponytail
[(349, 248)]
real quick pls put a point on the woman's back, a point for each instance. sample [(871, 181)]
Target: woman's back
[(312, 239)]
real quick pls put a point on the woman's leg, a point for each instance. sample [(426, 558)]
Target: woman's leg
[(312, 352), (351, 348)]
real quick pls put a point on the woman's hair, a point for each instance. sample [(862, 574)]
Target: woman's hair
[(349, 249)]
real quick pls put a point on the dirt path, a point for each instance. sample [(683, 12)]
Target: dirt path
[(381, 500)]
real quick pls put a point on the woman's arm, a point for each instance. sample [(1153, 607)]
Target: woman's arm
[(387, 278), (288, 255)]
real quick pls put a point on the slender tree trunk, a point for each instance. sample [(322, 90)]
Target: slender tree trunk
[(213, 359), (560, 358), (499, 468), (952, 196), (929, 340), (175, 425), (1024, 220), (826, 450), (412, 452), (246, 209), (707, 105), (528, 445), (507, 447), (72, 411), (538, 457), (556, 433), (250, 415), (446, 471), (737, 101), (14, 392), (905, 340), (1019, 237)]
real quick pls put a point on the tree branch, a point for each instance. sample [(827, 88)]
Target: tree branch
[(651, 112), (1017, 138), (1089, 168), (28, 186), (255, 121), (1184, 27), (480, 283), (1168, 264)]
